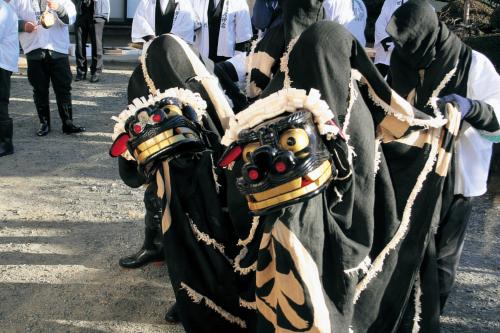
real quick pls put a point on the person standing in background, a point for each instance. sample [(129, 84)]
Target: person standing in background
[(9, 55), (383, 43), (352, 14), (44, 38), (224, 28), (91, 15), (157, 17)]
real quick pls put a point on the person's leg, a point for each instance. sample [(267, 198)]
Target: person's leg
[(39, 78), (60, 75), (152, 248), (6, 128), (450, 242), (81, 33), (97, 50)]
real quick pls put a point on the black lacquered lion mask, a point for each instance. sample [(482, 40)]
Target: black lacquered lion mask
[(285, 157), (160, 127)]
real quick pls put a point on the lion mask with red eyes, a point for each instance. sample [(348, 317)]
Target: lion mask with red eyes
[(291, 155), (160, 127)]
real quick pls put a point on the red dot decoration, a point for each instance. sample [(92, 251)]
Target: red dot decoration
[(156, 118), (280, 166), (137, 128), (253, 174)]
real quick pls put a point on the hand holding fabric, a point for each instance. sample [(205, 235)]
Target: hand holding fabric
[(52, 5), (464, 104)]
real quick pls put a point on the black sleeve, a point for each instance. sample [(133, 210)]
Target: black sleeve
[(129, 173), (482, 117), (62, 14), (20, 25), (243, 46)]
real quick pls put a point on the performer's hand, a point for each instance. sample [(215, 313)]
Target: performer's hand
[(386, 43), (464, 104), (52, 4), (30, 27)]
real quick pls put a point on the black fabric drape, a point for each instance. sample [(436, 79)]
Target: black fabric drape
[(424, 43)]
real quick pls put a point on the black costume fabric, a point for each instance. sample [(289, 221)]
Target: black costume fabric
[(358, 241), (423, 43), (198, 238)]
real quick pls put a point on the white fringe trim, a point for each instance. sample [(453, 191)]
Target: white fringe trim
[(436, 122), (378, 264), (353, 95), (183, 95), (203, 237), (363, 266), (432, 102), (214, 174), (285, 100), (284, 63), (378, 156), (251, 234), (197, 298), (237, 261), (145, 73), (418, 305), (249, 68), (248, 305)]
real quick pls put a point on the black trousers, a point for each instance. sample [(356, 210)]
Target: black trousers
[(86, 25), (450, 243), (4, 94), (45, 66)]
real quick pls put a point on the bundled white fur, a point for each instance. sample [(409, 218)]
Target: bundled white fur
[(285, 100)]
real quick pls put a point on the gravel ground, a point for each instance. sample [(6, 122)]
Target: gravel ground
[(66, 218)]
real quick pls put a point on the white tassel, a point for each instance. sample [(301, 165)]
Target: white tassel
[(237, 261), (203, 237), (248, 305), (284, 63)]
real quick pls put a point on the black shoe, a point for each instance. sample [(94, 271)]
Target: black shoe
[(71, 129), (6, 148), (141, 258), (80, 76), (94, 78), (44, 129), (6, 131), (172, 315)]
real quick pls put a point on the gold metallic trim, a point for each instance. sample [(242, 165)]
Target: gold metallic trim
[(153, 141), (142, 156), (319, 177)]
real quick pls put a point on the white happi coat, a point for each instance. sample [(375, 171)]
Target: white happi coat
[(382, 56), (144, 20), (56, 38), (352, 14), (9, 42), (235, 26), (474, 148)]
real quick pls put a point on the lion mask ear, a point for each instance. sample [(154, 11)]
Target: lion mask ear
[(120, 145), (232, 153)]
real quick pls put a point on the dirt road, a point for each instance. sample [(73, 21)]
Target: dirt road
[(66, 218)]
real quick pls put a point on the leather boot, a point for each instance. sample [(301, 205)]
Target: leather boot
[(172, 315), (6, 146), (66, 114), (150, 251), (43, 111)]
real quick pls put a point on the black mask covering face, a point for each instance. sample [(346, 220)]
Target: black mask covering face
[(414, 28)]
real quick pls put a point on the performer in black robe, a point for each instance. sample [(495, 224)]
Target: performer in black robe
[(430, 62), (349, 257), (199, 246)]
